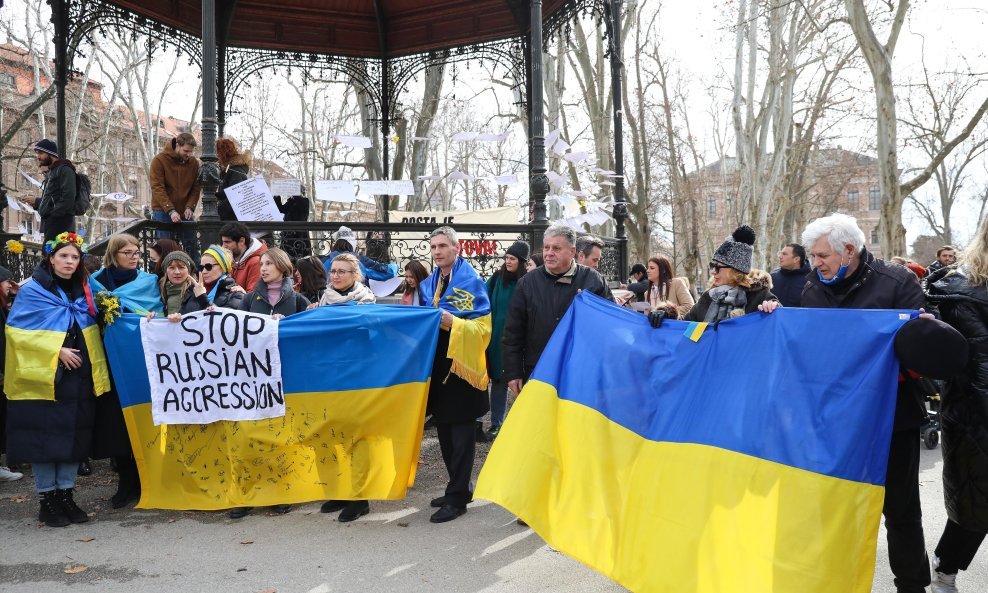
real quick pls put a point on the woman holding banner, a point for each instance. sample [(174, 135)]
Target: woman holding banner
[(274, 293), (137, 292), (345, 284), (55, 368), (181, 292), (214, 270)]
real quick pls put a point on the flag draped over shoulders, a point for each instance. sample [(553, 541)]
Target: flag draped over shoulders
[(141, 295), (747, 456), (35, 332), (466, 299)]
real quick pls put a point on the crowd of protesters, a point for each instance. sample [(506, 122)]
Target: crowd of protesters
[(529, 294)]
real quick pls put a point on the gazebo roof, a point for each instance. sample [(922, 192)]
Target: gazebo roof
[(356, 28)]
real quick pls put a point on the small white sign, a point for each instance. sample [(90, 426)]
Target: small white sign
[(386, 187), (213, 365), (253, 202), (286, 186), (335, 190)]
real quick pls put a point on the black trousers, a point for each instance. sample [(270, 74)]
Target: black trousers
[(903, 515), (957, 547), (457, 443)]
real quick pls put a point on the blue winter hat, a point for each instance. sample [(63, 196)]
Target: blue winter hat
[(46, 145)]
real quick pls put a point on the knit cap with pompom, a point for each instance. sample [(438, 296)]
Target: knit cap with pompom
[(737, 250)]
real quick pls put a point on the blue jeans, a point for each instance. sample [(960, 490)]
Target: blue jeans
[(190, 243), (49, 476), (499, 401)]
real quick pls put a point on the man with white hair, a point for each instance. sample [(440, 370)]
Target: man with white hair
[(847, 276)]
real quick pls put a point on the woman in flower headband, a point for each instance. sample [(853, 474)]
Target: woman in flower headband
[(133, 291), (53, 379)]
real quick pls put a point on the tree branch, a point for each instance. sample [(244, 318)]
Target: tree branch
[(924, 175)]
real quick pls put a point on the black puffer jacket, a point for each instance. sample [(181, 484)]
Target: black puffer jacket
[(964, 409), (540, 301), (226, 299), (754, 296), (876, 284), (290, 302), (57, 204)]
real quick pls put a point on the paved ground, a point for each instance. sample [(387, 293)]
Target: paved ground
[(395, 548)]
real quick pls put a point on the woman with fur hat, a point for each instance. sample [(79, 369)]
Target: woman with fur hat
[(345, 241), (500, 288), (732, 293)]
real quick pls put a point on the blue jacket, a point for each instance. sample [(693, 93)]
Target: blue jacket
[(371, 269)]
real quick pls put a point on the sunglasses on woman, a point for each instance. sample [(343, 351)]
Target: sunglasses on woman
[(207, 267), (715, 268)]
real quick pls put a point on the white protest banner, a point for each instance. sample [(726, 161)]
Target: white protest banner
[(286, 186), (387, 187), (253, 201), (213, 365), (335, 190)]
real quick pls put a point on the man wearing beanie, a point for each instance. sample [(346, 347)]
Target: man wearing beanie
[(56, 207), (847, 276)]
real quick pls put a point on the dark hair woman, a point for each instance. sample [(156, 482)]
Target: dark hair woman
[(415, 273), (158, 251), (732, 294), (53, 382), (660, 287), (500, 287), (962, 295), (137, 292), (536, 261), (310, 278)]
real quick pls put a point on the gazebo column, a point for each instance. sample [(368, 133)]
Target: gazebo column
[(385, 132), (538, 182), (221, 88), (209, 174), (617, 66), (60, 20)]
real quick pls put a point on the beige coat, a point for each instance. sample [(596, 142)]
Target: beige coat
[(679, 295)]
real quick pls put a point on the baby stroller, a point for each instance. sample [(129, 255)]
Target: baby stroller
[(930, 431)]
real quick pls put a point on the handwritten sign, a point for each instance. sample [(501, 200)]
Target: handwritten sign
[(213, 365), (286, 187), (253, 201), (335, 190), (392, 187)]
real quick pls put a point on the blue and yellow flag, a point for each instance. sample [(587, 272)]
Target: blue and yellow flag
[(466, 298), (356, 381), (35, 332), (142, 295), (750, 459)]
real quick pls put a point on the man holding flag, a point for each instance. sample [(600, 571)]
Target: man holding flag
[(458, 390)]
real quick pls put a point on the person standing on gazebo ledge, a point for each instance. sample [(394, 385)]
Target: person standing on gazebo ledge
[(458, 390)]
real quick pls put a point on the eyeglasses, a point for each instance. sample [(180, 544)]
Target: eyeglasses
[(340, 272), (130, 253), (206, 267), (714, 267)]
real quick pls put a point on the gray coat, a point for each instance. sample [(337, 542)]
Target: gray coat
[(290, 302)]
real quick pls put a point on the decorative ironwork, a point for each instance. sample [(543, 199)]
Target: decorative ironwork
[(21, 265), (481, 245), (87, 17)]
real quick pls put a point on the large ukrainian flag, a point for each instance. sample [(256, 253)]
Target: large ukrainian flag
[(356, 380), (750, 460)]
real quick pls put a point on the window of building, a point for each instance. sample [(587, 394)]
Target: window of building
[(730, 203), (874, 199), (711, 206), (8, 79), (874, 236), (853, 200)]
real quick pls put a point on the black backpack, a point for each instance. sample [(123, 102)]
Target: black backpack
[(83, 194)]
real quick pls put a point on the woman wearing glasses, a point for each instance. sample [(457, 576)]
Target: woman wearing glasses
[(214, 272), (345, 284), (731, 293), (138, 293)]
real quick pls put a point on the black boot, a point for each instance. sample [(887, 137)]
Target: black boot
[(353, 510), (70, 508), (128, 485), (479, 435), (51, 513)]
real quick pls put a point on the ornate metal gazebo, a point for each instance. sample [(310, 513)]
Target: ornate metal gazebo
[(379, 45)]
